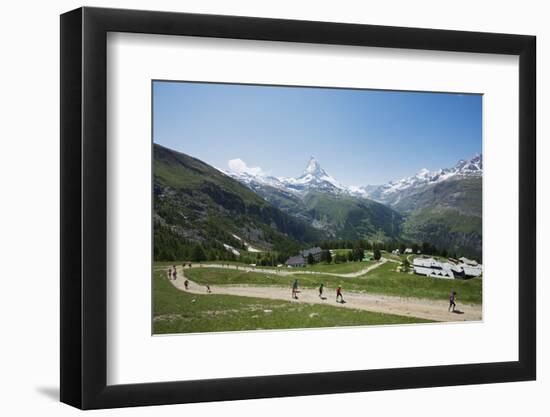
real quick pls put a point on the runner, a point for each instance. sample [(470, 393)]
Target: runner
[(169, 273), (175, 273), (208, 289), (186, 284), (452, 298), (339, 294), (295, 289), (321, 287)]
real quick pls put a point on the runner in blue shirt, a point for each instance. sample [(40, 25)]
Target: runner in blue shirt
[(452, 298)]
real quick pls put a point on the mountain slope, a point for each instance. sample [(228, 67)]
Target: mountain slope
[(326, 204), (461, 194), (447, 229), (442, 207), (195, 203), (348, 217), (393, 192)]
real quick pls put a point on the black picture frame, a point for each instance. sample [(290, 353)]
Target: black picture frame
[(84, 207)]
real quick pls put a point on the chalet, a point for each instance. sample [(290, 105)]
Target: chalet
[(295, 261), (426, 263), (472, 271), (467, 261), (434, 272), (396, 252), (432, 268), (408, 251), (315, 252)]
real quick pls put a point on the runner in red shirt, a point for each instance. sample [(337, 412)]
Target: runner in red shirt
[(339, 294)]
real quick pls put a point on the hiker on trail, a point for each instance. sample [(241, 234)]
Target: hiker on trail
[(452, 298), (339, 294), (208, 289), (321, 287), (175, 273), (186, 284), (295, 289)]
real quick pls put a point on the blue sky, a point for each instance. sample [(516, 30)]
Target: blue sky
[(359, 137)]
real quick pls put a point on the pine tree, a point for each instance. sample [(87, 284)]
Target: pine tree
[(198, 254)]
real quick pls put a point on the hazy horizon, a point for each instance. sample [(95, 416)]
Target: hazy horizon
[(360, 137)]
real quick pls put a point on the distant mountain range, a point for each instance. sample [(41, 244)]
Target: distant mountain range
[(197, 203), (325, 203), (315, 178), (394, 191), (442, 207)]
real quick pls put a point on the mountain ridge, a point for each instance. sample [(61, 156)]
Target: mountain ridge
[(314, 177), (197, 205), (441, 206)]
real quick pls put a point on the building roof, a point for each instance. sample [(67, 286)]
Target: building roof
[(427, 263), (314, 251), (436, 273), (467, 261), (457, 269), (472, 271), (422, 271), (295, 260)]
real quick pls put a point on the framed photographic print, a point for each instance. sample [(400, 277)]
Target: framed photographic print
[(258, 207)]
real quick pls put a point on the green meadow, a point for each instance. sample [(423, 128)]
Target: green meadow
[(176, 311), (383, 280)]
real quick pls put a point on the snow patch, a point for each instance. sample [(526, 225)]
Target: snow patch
[(231, 249)]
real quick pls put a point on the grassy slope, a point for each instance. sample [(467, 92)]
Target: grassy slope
[(196, 200), (447, 214), (385, 281), (382, 280), (446, 228), (462, 195), (342, 268), (353, 218), (179, 312)]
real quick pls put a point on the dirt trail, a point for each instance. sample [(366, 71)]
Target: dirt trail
[(412, 307), (286, 272)]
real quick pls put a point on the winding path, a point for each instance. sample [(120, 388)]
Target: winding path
[(287, 272), (412, 307)]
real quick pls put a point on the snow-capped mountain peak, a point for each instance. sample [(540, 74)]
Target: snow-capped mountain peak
[(463, 168), (314, 177), (314, 168)]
